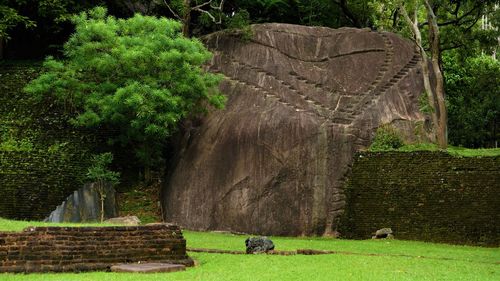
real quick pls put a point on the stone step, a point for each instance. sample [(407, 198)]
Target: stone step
[(147, 267)]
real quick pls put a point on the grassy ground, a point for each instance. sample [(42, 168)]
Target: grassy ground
[(140, 202), (423, 261), (453, 150)]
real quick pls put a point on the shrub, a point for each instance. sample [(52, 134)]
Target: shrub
[(386, 138)]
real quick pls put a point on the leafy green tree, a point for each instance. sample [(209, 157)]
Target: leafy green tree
[(138, 75), (459, 22), (9, 18), (430, 64), (435, 26), (473, 88)]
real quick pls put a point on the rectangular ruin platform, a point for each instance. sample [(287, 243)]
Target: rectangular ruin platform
[(76, 249)]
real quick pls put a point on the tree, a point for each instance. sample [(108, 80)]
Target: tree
[(38, 24), (100, 176), (473, 87), (331, 13), (140, 76), (439, 26), (182, 10), (434, 91), (9, 18)]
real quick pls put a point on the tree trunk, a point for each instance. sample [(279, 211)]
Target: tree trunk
[(102, 209), (1, 48), (102, 197), (442, 129), (148, 175), (186, 18), (435, 94)]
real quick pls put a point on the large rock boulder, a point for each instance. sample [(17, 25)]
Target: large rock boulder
[(84, 205), (301, 101)]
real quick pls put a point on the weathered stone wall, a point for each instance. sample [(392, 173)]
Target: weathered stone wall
[(62, 249), (427, 196), (301, 101)]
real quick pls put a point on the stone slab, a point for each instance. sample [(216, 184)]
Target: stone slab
[(147, 267)]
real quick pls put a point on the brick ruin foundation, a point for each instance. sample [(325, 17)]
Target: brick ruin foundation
[(76, 249)]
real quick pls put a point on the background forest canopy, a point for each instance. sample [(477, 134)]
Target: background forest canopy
[(469, 39)]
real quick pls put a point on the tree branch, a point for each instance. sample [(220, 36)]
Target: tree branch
[(395, 17), (201, 5), (456, 20), (172, 11), (451, 47), (219, 8), (349, 15)]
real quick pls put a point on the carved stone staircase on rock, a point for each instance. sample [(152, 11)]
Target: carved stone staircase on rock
[(301, 101)]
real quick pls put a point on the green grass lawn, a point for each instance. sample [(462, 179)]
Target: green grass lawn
[(424, 261), (452, 150)]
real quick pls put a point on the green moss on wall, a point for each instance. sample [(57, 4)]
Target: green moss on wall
[(42, 158), (33, 184), (428, 196)]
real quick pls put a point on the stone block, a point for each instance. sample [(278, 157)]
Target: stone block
[(147, 267)]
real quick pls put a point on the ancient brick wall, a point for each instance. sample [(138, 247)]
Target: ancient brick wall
[(63, 249), (43, 158), (32, 184), (428, 196)]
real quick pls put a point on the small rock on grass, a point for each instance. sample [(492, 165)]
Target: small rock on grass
[(259, 245), (383, 233), (127, 220)]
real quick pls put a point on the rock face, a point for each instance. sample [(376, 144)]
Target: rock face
[(301, 102), (84, 205)]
